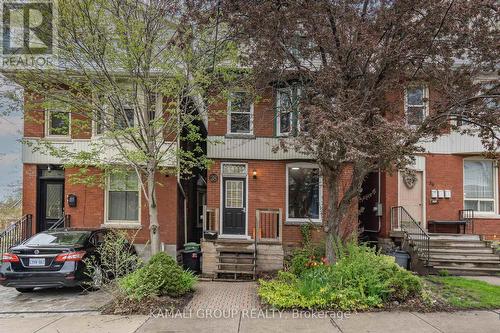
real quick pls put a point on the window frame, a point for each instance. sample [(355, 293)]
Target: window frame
[(304, 165), (110, 222), (230, 112), (48, 125), (479, 213), (425, 105)]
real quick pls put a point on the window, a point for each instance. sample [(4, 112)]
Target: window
[(287, 105), (124, 118), (479, 185), (58, 123), (240, 113), (303, 193), (99, 125), (415, 105), (234, 194), (123, 198)]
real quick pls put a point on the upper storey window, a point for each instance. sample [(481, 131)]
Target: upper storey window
[(58, 123), (287, 107), (416, 106), (240, 114)]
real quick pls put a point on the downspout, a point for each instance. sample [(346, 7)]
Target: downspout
[(379, 204)]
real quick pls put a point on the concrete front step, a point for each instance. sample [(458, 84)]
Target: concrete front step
[(454, 237), (470, 256), (460, 243), (465, 263), (468, 271), (461, 249)]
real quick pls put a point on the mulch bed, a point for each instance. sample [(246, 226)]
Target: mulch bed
[(147, 306)]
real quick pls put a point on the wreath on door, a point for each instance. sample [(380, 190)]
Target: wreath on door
[(409, 179)]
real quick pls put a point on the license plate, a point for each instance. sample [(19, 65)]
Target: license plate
[(37, 262)]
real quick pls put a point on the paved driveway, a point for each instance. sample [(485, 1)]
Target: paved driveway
[(70, 300)]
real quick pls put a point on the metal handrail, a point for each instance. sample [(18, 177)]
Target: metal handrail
[(63, 222), (412, 231), (16, 233)]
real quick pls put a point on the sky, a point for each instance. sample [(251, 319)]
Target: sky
[(10, 134)]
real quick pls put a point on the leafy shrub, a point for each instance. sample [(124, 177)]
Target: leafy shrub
[(161, 276), (361, 279), (114, 259)]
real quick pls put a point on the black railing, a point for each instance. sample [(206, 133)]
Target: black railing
[(467, 215), (63, 222), (16, 233), (413, 232)]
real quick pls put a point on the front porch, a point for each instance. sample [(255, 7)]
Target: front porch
[(242, 256), (454, 253)]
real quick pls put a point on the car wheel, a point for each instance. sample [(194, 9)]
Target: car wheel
[(25, 290)]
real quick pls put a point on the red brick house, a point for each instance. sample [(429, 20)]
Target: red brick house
[(256, 198)]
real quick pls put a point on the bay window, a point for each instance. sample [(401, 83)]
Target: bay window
[(123, 198), (480, 185), (303, 193)]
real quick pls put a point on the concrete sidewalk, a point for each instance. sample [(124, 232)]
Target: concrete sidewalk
[(255, 322)]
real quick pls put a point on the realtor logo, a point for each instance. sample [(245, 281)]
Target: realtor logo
[(28, 32)]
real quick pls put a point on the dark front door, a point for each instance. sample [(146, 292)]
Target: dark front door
[(234, 206), (51, 203)]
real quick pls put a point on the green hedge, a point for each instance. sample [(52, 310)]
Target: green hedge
[(161, 276)]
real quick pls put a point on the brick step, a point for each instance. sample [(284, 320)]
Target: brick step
[(468, 271)]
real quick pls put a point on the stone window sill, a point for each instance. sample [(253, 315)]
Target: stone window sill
[(121, 226)]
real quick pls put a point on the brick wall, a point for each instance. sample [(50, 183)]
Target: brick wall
[(30, 192), (443, 172), (263, 116), (89, 212), (268, 191), (34, 117)]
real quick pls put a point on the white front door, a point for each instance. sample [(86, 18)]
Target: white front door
[(411, 189)]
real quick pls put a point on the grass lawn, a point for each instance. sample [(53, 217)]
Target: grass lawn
[(464, 293)]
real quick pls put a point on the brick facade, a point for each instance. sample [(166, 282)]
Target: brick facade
[(90, 209), (268, 191), (442, 171)]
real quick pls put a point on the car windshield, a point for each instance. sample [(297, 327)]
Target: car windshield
[(58, 238)]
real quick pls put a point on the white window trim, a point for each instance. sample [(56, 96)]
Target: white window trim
[(47, 126), (126, 223), (110, 117), (229, 112), (305, 165), (425, 97), (221, 196), (495, 213)]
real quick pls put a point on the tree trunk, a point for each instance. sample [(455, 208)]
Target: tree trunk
[(333, 216), (154, 227)]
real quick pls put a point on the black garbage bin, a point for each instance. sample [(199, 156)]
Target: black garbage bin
[(191, 260)]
